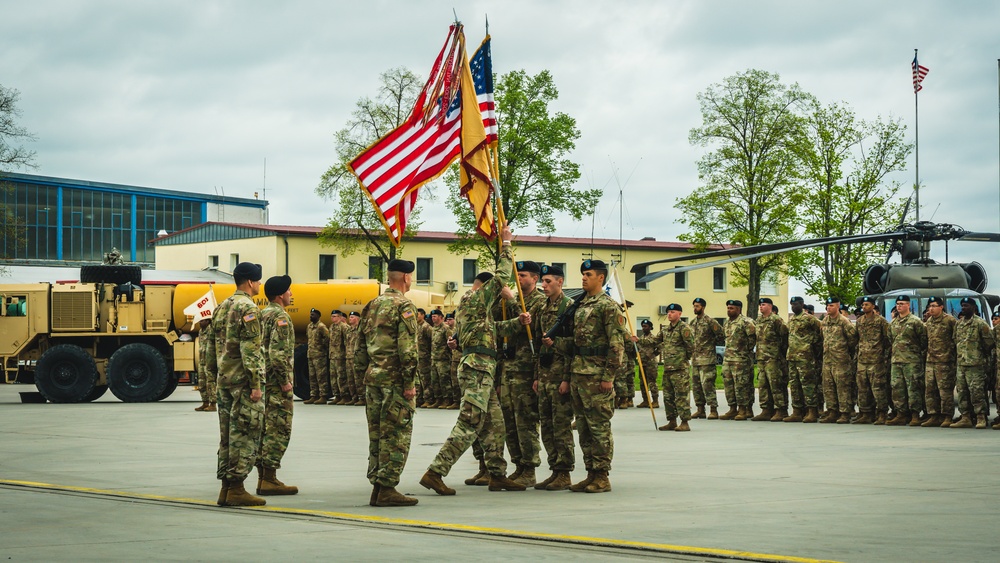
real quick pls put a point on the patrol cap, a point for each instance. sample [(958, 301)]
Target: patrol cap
[(675, 307), (437, 312), (592, 264), (967, 300), (404, 266), (940, 301), (764, 300), (484, 276), (355, 314), (646, 322), (832, 299), (528, 266), (700, 300), (247, 271), (905, 298), (277, 285), (553, 271), (868, 299), (797, 299), (734, 303)]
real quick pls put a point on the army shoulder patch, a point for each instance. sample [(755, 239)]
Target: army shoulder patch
[(621, 320), (407, 313), (282, 322), (249, 317)]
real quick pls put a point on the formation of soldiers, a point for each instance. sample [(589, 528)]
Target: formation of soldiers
[(332, 379)]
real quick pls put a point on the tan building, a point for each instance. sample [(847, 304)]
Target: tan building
[(296, 251)]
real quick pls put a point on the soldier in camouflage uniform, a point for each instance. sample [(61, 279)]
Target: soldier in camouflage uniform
[(737, 367), (440, 361), (874, 348), (278, 339), (805, 348), (649, 351), (840, 344), (342, 386), (318, 353), (352, 333), (939, 367), (909, 347), (625, 379), (387, 355), (237, 357), (996, 368), (424, 332), (479, 415), (455, 359), (772, 347), (974, 343), (206, 379), (705, 333), (676, 344)]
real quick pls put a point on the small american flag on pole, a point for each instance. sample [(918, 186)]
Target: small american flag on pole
[(919, 72)]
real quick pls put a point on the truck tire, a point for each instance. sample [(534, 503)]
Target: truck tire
[(301, 370), (117, 274), (97, 393), (66, 374), (137, 373), (170, 388)]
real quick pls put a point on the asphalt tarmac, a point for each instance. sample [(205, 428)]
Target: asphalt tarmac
[(115, 481)]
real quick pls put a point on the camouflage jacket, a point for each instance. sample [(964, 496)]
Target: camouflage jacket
[(598, 338), (676, 343), (279, 344), (387, 347), (351, 334), (649, 347), (424, 334), (772, 338), (236, 354), (337, 351), (205, 335), (874, 339), (974, 341), (909, 340), (439, 343), (805, 338), (741, 337), (705, 333), (840, 340), (515, 332), (559, 354), (318, 340), (477, 335), (940, 338)]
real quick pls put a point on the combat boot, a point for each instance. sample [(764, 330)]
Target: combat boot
[(211, 408), (433, 481), (964, 422), (360, 402), (517, 473), (444, 404), (527, 477), (645, 402), (223, 493), (700, 413), (844, 418), (812, 415), (901, 418), (540, 486), (322, 399), (656, 400), (600, 484), (796, 416), (502, 483), (203, 406), (746, 415), (238, 496), (269, 484), (830, 417), (669, 425), (713, 413), (374, 498), (432, 404), (946, 423), (683, 427), (482, 472), (996, 426), (779, 414), (730, 414), (864, 418), (629, 403), (914, 419), (880, 419), (934, 420), (310, 400), (765, 415), (560, 483), (579, 487), (981, 421), (389, 496)]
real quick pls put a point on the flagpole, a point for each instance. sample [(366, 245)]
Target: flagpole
[(916, 132), (631, 331), (998, 103)]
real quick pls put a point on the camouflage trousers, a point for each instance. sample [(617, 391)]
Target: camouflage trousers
[(872, 394), (676, 393), (802, 384), (340, 381), (426, 384), (593, 409), (240, 423), (737, 379), (479, 418), (319, 377), (772, 384), (519, 405), (390, 426), (359, 380), (939, 388), (838, 386), (907, 395), (441, 377), (277, 426), (703, 385), (555, 412), (650, 369), (971, 387), (206, 386), (456, 388)]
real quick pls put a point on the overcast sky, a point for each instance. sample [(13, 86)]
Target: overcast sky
[(194, 96)]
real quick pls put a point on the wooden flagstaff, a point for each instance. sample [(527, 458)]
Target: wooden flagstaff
[(638, 359)]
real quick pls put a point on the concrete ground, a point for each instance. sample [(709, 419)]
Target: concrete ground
[(114, 481)]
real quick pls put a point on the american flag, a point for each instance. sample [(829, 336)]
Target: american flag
[(481, 64), (919, 72)]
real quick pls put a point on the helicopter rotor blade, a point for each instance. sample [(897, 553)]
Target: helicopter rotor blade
[(981, 237)]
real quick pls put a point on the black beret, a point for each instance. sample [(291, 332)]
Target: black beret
[(868, 299), (775, 308), (699, 300), (528, 266), (734, 303), (355, 314), (996, 314), (437, 312), (593, 265), (905, 298), (314, 310), (938, 300), (276, 285), (484, 276), (553, 271), (449, 316), (763, 300), (419, 310), (404, 266), (845, 308), (797, 299), (832, 299), (967, 300), (337, 312), (674, 307), (646, 322), (810, 307), (248, 271)]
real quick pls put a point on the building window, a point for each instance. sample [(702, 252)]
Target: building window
[(213, 262), (769, 283), (327, 267), (424, 271), (375, 268), (469, 267), (681, 281), (639, 273), (234, 259), (719, 279)]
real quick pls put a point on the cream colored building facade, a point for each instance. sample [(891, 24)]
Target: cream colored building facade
[(296, 251)]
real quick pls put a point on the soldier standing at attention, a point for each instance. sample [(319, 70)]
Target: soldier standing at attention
[(206, 379), (625, 380), (772, 346), (455, 356), (840, 342), (805, 348), (996, 368), (599, 350), (973, 345), (318, 342), (649, 351), (279, 351), (909, 347), (939, 370), (705, 333), (387, 355), (874, 348), (676, 343), (424, 332), (342, 389), (237, 357), (352, 333), (440, 358), (737, 367), (479, 415)]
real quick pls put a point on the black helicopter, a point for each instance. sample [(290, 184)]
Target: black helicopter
[(917, 275)]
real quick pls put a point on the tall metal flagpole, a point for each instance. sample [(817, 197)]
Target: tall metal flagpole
[(916, 132)]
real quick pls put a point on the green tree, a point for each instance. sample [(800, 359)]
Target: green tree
[(355, 226), (13, 156), (536, 174), (752, 177)]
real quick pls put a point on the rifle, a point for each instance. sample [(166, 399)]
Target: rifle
[(564, 323)]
